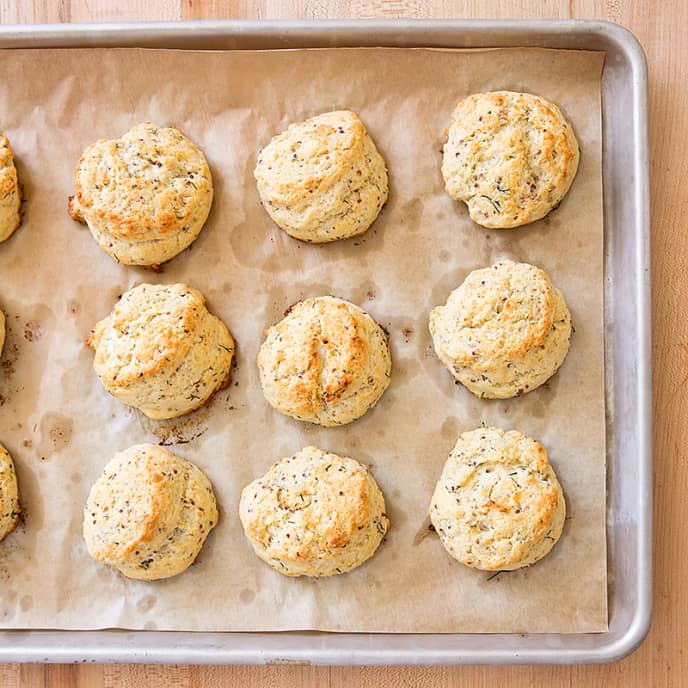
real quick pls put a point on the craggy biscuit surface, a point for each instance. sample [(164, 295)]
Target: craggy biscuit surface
[(326, 362), (9, 494), (322, 179), (146, 196), (10, 192), (498, 505), (149, 513), (314, 514), (161, 351), (511, 157), (505, 331)]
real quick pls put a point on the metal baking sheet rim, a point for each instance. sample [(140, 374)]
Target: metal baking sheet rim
[(627, 355)]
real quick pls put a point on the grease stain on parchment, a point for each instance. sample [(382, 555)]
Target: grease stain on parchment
[(55, 434)]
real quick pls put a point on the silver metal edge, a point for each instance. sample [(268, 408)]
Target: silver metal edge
[(358, 32), (480, 33), (640, 626)]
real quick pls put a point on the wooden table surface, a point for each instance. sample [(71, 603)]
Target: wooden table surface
[(661, 660)]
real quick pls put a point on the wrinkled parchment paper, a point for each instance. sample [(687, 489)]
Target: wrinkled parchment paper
[(62, 427)]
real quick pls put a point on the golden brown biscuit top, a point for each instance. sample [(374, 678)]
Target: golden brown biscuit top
[(309, 503), (9, 494), (511, 156), (310, 156), (6, 473), (499, 312), (8, 173), (145, 185), (322, 345), (150, 329), (138, 498), (500, 493), (6, 153)]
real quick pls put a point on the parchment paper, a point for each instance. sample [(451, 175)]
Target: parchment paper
[(62, 427)]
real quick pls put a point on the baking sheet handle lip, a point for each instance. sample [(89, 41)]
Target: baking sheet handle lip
[(642, 620), (107, 34), (306, 655), (637, 630)]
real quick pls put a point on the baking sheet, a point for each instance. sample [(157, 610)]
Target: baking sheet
[(62, 427)]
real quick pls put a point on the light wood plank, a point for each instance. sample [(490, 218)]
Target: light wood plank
[(116, 11), (19, 12), (26, 12), (35, 675), (141, 675), (9, 675)]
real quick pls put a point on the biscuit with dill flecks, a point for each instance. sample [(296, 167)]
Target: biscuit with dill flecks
[(10, 192), (327, 362), (314, 514), (9, 494), (511, 157), (498, 505), (149, 513), (505, 331), (323, 179), (145, 197), (161, 351)]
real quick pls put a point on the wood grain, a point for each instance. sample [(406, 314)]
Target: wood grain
[(661, 661)]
